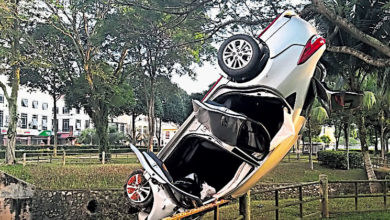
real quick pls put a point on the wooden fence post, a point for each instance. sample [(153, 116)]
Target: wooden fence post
[(324, 196), (245, 206), (24, 159), (63, 157), (103, 157)]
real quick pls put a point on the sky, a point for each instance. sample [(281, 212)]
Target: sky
[(206, 74)]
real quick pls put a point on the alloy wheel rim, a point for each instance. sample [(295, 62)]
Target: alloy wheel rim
[(237, 54), (136, 191)]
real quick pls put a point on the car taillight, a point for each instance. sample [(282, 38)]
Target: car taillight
[(312, 45), (211, 88), (269, 26)]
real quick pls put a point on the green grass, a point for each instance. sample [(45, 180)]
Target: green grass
[(258, 209), (364, 216), (299, 171), (110, 175), (54, 176)]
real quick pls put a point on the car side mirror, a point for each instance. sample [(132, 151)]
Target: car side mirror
[(334, 101)]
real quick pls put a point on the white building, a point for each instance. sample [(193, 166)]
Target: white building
[(35, 111)]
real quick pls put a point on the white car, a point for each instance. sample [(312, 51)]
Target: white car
[(245, 124)]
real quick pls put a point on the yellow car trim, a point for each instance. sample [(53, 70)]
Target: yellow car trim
[(274, 158)]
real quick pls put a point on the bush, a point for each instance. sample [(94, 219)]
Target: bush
[(325, 139), (338, 159)]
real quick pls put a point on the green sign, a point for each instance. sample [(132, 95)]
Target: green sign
[(45, 133)]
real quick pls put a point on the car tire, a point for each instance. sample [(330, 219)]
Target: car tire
[(138, 190), (241, 57)]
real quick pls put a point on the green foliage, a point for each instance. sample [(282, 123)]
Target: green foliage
[(172, 101), (369, 100), (316, 139), (338, 159), (89, 136), (325, 139), (318, 115)]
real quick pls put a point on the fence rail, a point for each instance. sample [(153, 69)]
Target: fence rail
[(78, 158), (324, 196)]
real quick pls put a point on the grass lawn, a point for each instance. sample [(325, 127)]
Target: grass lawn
[(364, 216), (258, 209), (299, 171), (55, 176), (93, 176)]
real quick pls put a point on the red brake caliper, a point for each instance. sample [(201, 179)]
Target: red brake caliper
[(133, 183)]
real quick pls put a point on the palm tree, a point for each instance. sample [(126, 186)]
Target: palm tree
[(317, 116), (368, 19)]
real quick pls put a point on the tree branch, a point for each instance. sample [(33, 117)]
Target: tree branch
[(350, 28), (4, 87), (365, 57), (121, 61)]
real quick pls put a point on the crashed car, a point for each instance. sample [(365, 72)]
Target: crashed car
[(244, 126)]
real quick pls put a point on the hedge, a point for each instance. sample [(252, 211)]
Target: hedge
[(338, 159)]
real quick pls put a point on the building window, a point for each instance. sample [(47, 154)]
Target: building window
[(24, 103), (77, 111), (1, 118), (1, 98), (44, 122), (65, 110), (78, 124), (65, 125), (35, 104), (34, 122), (122, 128), (87, 124), (23, 120), (45, 106)]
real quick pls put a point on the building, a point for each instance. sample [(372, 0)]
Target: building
[(36, 120)]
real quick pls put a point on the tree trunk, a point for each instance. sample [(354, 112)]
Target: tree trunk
[(11, 132), (151, 121), (376, 142), (134, 140), (10, 157), (159, 135), (382, 131), (366, 155), (55, 125), (100, 120), (310, 147), (346, 137), (338, 135), (298, 144)]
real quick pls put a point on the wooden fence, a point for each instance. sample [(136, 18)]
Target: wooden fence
[(77, 158), (321, 199), (324, 196)]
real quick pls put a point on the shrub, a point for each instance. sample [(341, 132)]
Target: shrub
[(338, 159), (325, 139)]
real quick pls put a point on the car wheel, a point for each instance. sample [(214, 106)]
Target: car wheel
[(241, 57), (138, 190)]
